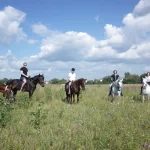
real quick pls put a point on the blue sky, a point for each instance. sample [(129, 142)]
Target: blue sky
[(95, 37)]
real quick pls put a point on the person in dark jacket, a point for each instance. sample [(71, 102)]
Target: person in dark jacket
[(114, 77)]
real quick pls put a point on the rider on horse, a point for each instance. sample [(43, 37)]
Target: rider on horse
[(24, 75), (71, 77), (114, 77), (147, 80)]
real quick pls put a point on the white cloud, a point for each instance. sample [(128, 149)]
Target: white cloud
[(97, 18), (70, 46), (31, 41), (10, 20), (127, 42), (49, 69), (40, 29), (125, 48), (114, 35), (142, 8)]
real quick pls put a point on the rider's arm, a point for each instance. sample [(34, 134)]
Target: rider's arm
[(69, 76), (75, 77), (111, 78), (28, 74), (23, 73)]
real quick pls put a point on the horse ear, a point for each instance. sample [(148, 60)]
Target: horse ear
[(85, 80)]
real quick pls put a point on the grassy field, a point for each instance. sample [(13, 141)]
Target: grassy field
[(46, 122)]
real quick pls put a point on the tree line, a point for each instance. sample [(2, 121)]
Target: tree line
[(128, 79)]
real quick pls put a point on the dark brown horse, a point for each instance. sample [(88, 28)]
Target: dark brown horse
[(74, 89), (6, 91), (30, 86)]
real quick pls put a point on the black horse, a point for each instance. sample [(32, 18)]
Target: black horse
[(74, 89), (30, 86)]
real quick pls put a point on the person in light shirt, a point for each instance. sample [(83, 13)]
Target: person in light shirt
[(148, 77), (148, 81), (71, 77)]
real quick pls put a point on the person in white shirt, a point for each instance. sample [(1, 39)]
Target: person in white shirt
[(71, 77), (147, 80), (148, 77)]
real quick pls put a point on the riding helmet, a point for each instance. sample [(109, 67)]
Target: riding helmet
[(115, 71), (72, 69)]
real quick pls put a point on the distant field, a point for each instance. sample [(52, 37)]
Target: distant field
[(47, 122)]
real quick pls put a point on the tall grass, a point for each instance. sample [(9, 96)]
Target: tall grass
[(47, 122)]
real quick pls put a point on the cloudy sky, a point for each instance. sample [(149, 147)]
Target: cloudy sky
[(93, 36)]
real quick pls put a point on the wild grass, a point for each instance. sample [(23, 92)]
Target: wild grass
[(47, 122)]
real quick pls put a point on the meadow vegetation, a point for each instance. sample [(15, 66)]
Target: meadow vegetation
[(48, 122)]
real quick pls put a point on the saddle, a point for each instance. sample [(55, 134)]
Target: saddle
[(26, 86), (67, 85)]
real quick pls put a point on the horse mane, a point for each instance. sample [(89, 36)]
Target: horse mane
[(36, 76), (79, 79)]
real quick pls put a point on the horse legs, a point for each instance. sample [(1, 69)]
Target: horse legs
[(119, 94), (70, 97), (143, 98), (73, 98), (30, 94), (148, 98), (11, 97), (14, 92), (112, 97), (77, 97)]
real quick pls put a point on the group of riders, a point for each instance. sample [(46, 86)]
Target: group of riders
[(72, 77)]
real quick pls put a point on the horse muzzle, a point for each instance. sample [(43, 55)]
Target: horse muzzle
[(83, 88), (42, 84)]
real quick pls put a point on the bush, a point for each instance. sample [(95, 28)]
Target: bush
[(5, 115)]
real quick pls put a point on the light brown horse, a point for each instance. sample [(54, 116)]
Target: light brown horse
[(74, 89)]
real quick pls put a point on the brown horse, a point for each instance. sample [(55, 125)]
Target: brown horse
[(6, 91), (30, 86), (74, 89)]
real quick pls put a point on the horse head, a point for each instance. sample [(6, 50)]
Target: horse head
[(82, 83), (144, 82), (39, 79), (118, 83)]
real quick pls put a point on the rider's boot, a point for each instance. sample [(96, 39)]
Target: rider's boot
[(121, 94), (141, 90), (109, 93)]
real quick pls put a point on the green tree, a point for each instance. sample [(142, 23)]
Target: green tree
[(4, 80), (106, 80), (131, 78)]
